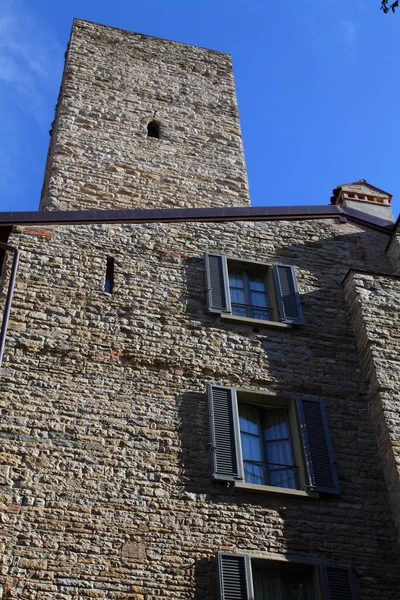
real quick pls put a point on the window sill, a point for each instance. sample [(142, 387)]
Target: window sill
[(254, 487), (259, 322)]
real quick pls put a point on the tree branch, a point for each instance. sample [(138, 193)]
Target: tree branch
[(386, 7)]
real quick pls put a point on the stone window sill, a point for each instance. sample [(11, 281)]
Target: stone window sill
[(258, 322), (254, 487)]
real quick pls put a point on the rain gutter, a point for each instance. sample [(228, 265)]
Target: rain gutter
[(10, 292)]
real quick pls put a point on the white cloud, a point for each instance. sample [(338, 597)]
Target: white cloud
[(29, 59), (30, 72), (334, 29)]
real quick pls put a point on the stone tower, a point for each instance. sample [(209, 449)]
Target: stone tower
[(198, 403), (118, 87)]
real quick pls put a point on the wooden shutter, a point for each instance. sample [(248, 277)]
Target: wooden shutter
[(287, 294), (225, 434), (217, 284), (318, 451), (234, 577), (338, 583)]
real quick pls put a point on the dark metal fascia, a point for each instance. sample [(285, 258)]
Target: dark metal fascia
[(369, 220), (166, 215), (177, 215)]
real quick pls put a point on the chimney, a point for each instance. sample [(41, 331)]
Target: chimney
[(364, 197)]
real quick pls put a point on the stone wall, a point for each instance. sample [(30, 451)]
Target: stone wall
[(393, 252), (114, 83), (374, 302), (106, 481)]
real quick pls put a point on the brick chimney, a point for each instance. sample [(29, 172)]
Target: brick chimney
[(364, 197)]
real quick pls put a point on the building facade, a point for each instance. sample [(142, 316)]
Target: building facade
[(199, 399)]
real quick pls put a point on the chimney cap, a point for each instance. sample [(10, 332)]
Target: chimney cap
[(361, 190)]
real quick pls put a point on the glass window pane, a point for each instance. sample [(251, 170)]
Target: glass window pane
[(258, 313), (248, 291), (237, 296), (258, 299), (278, 449), (257, 283), (251, 447), (266, 584), (281, 477), (251, 444), (236, 279), (280, 453), (254, 473), (283, 584), (239, 311), (276, 423), (258, 296), (296, 586), (249, 419)]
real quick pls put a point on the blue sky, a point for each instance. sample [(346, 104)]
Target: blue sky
[(317, 84)]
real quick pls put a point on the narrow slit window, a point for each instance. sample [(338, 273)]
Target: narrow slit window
[(109, 282), (153, 129)]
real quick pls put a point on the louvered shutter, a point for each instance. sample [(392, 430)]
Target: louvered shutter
[(338, 583), (234, 577), (287, 294), (225, 435), (317, 446), (216, 270)]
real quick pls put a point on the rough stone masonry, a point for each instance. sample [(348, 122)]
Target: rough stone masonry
[(116, 82), (106, 487)]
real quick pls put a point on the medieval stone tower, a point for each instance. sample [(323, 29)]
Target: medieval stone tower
[(117, 88), (199, 399)]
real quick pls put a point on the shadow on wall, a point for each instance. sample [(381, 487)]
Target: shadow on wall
[(318, 360), (195, 443), (205, 579)]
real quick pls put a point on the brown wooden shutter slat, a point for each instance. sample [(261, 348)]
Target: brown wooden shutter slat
[(225, 436), (287, 294), (318, 451), (216, 271), (235, 581), (338, 583)]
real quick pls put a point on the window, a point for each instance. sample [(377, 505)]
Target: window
[(295, 582), (249, 295), (109, 280), (242, 577), (270, 441), (153, 129), (267, 449), (253, 291)]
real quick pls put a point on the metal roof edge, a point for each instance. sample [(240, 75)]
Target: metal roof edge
[(171, 215), (369, 220)]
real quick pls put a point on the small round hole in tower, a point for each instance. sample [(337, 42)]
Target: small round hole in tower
[(153, 129)]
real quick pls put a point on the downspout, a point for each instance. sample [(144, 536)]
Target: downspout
[(10, 292)]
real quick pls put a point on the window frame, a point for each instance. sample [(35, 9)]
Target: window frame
[(280, 566), (311, 438), (264, 401), (263, 270), (327, 579), (109, 275), (281, 283)]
